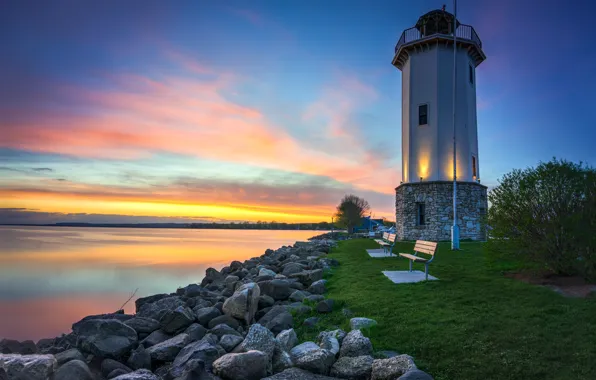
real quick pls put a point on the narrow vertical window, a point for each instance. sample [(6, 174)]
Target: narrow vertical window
[(471, 71), (420, 217), (474, 173), (423, 114)]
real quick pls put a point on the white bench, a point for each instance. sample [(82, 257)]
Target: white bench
[(387, 242), (426, 247)]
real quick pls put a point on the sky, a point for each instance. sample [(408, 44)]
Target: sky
[(152, 111)]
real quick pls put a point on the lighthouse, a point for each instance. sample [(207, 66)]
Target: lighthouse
[(439, 130)]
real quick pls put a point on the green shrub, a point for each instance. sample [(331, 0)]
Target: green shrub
[(548, 214)]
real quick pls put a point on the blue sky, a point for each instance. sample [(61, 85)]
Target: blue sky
[(264, 109)]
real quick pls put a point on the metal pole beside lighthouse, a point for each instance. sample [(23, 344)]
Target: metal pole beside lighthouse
[(455, 227)]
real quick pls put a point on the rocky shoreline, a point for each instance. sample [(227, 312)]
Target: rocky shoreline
[(238, 324)]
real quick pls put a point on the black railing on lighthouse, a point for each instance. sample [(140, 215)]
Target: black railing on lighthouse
[(463, 32)]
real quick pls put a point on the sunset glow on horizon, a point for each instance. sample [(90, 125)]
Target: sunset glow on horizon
[(210, 112)]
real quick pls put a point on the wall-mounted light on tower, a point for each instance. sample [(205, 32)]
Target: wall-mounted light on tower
[(420, 179)]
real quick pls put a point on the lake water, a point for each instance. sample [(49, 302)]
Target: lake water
[(51, 277)]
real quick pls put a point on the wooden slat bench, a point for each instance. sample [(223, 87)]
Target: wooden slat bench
[(387, 242), (426, 247)]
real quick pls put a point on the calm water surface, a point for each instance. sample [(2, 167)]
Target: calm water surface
[(51, 277)]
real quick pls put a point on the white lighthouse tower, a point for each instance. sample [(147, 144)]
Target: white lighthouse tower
[(426, 56)]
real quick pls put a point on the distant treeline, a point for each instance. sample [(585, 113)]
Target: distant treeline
[(264, 226)]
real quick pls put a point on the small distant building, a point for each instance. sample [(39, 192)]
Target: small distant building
[(368, 224), (424, 200)]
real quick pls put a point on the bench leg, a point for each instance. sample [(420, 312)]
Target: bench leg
[(410, 265), (426, 271)]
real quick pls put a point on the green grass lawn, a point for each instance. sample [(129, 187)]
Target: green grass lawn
[(472, 324)]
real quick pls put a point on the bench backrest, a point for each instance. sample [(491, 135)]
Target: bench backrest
[(391, 238), (427, 247), (385, 235)]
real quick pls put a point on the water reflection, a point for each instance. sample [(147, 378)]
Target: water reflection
[(52, 276)]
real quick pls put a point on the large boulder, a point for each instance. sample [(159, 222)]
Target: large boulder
[(212, 276), (68, 355), (143, 325), (223, 329), (356, 344), (251, 365), (281, 359), (415, 374), (147, 300), (105, 338), (354, 368), (206, 314), (224, 319), (10, 346), (330, 342), (297, 296), (30, 367), (195, 370), (392, 368), (166, 351), (156, 309), (339, 334), (108, 366), (74, 369), (139, 359), (141, 374), (279, 290), (259, 338), (277, 319), (204, 350), (244, 303), (325, 306), (265, 302), (362, 323), (307, 277), (297, 374), (291, 268), (177, 319), (155, 337), (318, 287), (309, 356), (228, 342), (287, 339), (266, 272)]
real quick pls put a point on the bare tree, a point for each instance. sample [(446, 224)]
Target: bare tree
[(350, 211)]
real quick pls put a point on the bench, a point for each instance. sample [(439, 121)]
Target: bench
[(388, 241), (426, 247)]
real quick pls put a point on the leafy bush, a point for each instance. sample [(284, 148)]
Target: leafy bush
[(548, 214)]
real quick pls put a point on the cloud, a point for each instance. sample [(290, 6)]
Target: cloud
[(42, 169)]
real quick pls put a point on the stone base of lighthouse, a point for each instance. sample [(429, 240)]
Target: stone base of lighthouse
[(433, 202)]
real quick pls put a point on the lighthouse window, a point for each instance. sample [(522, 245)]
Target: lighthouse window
[(423, 114), (474, 167), (471, 74), (420, 217)]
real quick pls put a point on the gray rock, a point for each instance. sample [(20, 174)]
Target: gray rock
[(356, 344), (325, 306), (291, 268), (154, 309), (105, 338), (338, 334), (277, 319), (143, 325), (310, 322), (266, 272), (193, 290), (141, 374), (224, 319), (251, 365), (353, 368), (195, 370), (347, 312), (223, 329), (177, 319), (297, 296), (386, 354), (68, 355), (109, 365), (259, 338), (279, 290), (204, 350), (155, 338), (307, 277), (139, 359), (265, 301), (30, 367), (392, 368), (362, 323), (330, 343), (206, 314), (298, 308), (315, 298), (211, 276), (115, 373), (166, 351), (244, 303), (10, 346), (318, 287), (297, 374), (229, 342), (309, 356), (147, 300), (287, 339), (281, 359), (195, 332), (74, 369), (415, 374)]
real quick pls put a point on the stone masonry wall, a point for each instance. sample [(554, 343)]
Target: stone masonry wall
[(437, 196)]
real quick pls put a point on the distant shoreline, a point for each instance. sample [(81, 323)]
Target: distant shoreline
[(189, 226)]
